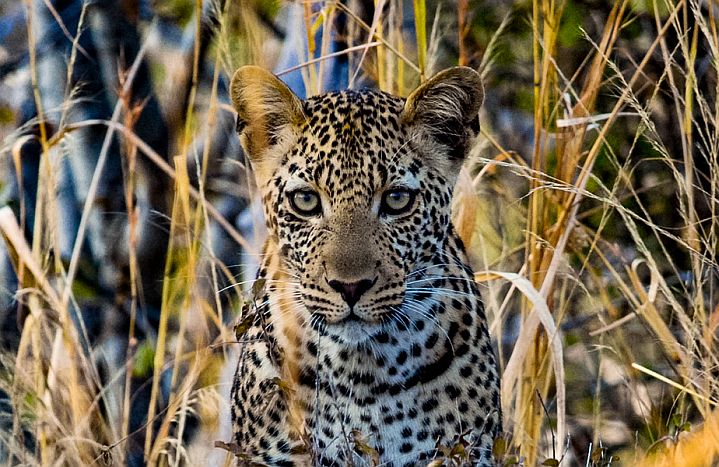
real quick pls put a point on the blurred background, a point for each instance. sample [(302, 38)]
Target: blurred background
[(131, 227)]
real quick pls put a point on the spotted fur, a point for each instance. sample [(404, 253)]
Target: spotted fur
[(409, 367)]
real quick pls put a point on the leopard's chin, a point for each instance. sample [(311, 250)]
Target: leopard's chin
[(350, 329), (353, 332)]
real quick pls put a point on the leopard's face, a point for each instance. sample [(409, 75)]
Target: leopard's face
[(357, 195), (355, 206)]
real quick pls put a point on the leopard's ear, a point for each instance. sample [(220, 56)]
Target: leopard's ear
[(445, 109), (266, 109)]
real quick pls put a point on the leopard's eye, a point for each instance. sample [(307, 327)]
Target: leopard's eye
[(397, 201), (305, 202)]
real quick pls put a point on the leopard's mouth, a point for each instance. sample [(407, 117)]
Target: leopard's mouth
[(362, 321), (352, 318), (367, 315)]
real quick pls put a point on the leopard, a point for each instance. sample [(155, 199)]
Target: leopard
[(365, 341)]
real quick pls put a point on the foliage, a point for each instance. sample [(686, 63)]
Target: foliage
[(588, 208)]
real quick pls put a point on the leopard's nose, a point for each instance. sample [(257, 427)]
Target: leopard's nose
[(351, 292)]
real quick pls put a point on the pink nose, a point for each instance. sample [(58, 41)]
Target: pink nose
[(351, 292)]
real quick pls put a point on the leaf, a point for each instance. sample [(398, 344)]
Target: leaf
[(677, 420), (362, 447), (499, 448), (144, 360), (246, 307), (551, 462), (444, 450), (232, 447), (244, 325), (6, 115), (258, 288), (458, 451)]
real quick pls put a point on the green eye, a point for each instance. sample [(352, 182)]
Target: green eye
[(306, 202), (397, 201)]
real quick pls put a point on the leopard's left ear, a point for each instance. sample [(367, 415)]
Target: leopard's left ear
[(445, 108), (266, 110)]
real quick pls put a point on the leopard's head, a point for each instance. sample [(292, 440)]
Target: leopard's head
[(356, 186)]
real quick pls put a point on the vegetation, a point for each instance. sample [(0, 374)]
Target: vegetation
[(589, 208)]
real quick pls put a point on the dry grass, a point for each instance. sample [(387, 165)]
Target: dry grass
[(566, 296)]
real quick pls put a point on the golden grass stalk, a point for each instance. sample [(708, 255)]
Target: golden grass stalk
[(311, 83), (513, 371), (59, 376), (420, 27)]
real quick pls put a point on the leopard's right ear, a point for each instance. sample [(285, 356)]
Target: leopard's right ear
[(445, 109), (267, 110)]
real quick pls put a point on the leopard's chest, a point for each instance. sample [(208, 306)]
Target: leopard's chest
[(401, 419)]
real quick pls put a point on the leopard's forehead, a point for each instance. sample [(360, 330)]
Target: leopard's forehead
[(353, 141), (354, 104)]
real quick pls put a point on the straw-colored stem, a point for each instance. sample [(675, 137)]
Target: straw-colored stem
[(420, 27)]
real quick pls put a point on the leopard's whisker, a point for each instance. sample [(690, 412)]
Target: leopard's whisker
[(437, 292)]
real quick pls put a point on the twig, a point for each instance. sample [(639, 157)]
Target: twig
[(664, 379), (101, 160), (163, 165), (325, 57)]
